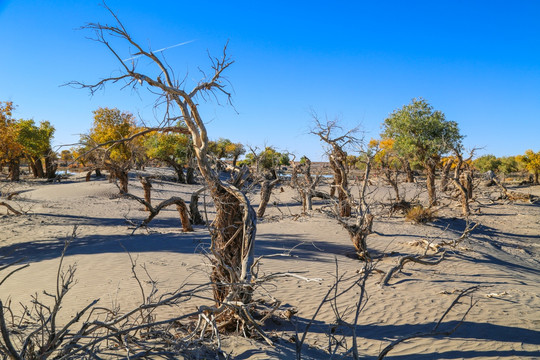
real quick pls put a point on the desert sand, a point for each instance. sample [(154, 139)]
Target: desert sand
[(502, 256)]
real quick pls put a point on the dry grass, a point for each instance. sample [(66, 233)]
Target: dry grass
[(420, 215)]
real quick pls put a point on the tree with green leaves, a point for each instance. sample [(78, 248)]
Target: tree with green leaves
[(36, 142), (487, 163), (422, 134), (176, 150), (226, 149), (508, 164), (267, 159)]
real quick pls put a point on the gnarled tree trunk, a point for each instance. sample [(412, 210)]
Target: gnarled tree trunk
[(196, 218), (190, 175), (267, 185), (445, 174), (147, 188), (14, 168), (409, 178), (179, 170), (430, 173), (50, 167)]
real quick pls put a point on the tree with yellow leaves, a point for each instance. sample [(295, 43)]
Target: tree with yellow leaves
[(10, 149), (531, 161), (109, 130), (387, 160)]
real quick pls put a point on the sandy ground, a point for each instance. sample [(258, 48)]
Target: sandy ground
[(502, 256)]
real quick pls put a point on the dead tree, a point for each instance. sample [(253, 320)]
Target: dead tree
[(337, 157), (463, 181), (268, 180), (445, 173), (154, 211), (265, 174), (363, 224), (196, 218), (514, 195), (234, 226), (305, 185)]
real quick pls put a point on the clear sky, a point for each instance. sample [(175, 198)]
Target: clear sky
[(477, 61)]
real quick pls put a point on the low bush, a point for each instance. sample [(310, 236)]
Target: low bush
[(420, 215)]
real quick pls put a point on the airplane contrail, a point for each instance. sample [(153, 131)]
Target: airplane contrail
[(160, 50)]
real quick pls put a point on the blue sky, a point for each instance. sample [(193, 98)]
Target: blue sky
[(477, 61)]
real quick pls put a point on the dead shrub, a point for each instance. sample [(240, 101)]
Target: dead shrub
[(420, 215)]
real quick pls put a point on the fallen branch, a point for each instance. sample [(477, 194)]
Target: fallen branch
[(410, 258), (10, 208), (514, 195), (154, 211)]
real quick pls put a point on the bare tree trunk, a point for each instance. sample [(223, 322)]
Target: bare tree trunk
[(184, 216), (196, 218), (463, 182), (50, 167), (14, 170), (308, 195), (37, 167), (179, 170), (445, 174), (267, 185), (333, 188), (190, 175), (147, 187), (122, 177), (392, 179), (432, 196), (343, 201), (359, 236), (408, 171), (464, 196)]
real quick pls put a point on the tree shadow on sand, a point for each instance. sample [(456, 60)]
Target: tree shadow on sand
[(468, 331), (34, 251)]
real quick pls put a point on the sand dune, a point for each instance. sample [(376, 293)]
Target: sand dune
[(502, 256)]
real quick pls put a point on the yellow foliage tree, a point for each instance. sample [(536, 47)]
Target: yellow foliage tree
[(531, 161), (109, 128), (387, 160), (10, 149)]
